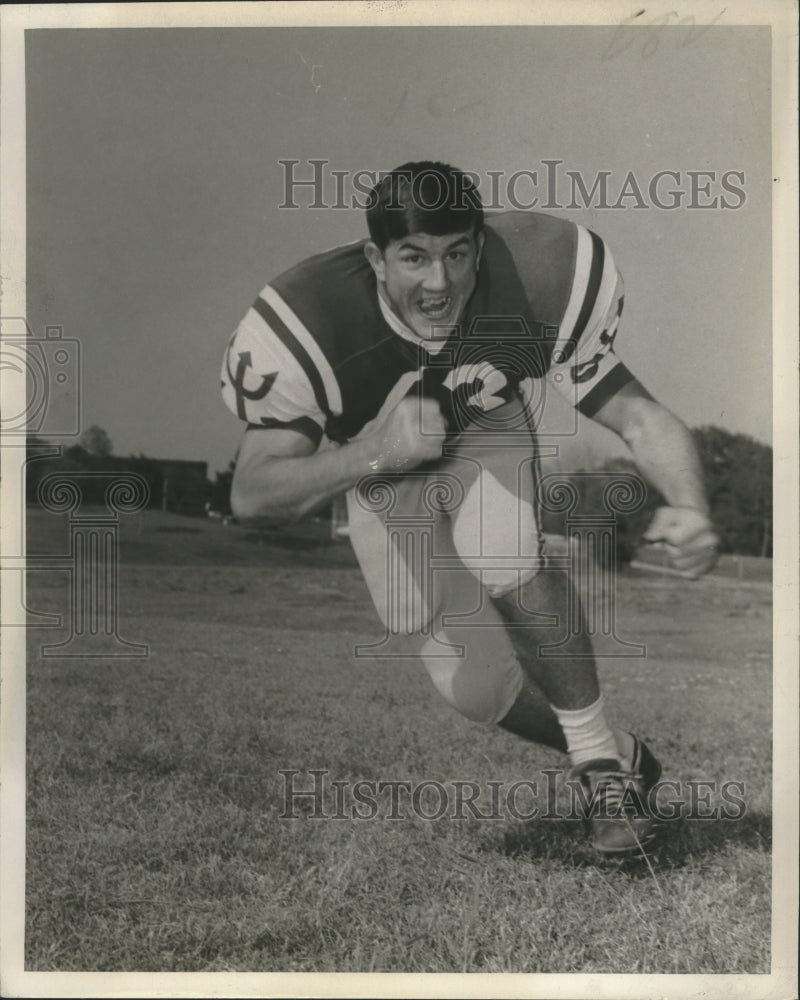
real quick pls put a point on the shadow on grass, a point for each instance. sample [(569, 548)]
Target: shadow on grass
[(678, 843), (281, 540)]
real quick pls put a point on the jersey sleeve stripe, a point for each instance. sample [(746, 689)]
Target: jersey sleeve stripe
[(583, 260), (599, 394), (303, 336), (305, 425), (609, 292), (279, 328), (592, 286)]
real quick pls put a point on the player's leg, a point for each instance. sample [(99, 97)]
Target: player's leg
[(569, 679), (486, 682), (497, 537), (496, 520), (429, 603)]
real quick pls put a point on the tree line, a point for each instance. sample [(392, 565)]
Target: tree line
[(180, 487), (738, 475), (737, 470)]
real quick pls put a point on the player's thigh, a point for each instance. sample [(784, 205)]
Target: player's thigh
[(495, 528), (396, 527), (427, 598)]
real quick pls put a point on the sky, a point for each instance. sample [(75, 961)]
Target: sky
[(155, 186)]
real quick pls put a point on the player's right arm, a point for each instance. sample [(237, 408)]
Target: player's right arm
[(281, 477), (276, 379)]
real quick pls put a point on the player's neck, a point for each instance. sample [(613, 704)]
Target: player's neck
[(400, 327)]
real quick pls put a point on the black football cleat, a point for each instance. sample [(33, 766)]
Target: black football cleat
[(615, 801)]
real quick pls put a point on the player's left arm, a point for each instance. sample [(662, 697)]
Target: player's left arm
[(665, 454), (586, 371)]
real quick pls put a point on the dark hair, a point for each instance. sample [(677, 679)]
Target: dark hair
[(424, 197)]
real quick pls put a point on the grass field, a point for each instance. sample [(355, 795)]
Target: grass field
[(154, 831)]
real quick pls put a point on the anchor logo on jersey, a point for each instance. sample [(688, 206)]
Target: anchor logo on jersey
[(245, 363)]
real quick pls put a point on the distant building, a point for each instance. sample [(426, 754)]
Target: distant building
[(174, 484), (184, 485)]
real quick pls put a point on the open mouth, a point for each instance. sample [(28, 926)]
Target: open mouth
[(435, 308)]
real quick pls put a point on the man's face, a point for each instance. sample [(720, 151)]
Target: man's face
[(428, 279)]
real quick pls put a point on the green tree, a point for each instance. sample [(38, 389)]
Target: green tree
[(738, 476), (96, 441), (738, 472)]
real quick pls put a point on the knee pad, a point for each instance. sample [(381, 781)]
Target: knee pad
[(499, 582), (480, 687), (496, 536)]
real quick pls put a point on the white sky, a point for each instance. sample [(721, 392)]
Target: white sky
[(154, 186)]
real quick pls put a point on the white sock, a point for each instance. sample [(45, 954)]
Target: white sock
[(588, 735)]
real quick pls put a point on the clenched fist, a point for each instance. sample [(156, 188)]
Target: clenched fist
[(413, 433), (688, 538)]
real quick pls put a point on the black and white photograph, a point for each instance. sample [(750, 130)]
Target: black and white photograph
[(399, 494)]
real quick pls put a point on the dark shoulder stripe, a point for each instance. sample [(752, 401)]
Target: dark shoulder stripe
[(305, 425), (592, 286), (300, 354), (603, 391)]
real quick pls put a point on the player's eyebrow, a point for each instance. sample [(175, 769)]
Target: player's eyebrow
[(451, 246)]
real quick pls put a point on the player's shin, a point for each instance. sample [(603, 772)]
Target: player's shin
[(569, 680)]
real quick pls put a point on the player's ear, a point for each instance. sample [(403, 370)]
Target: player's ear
[(376, 260)]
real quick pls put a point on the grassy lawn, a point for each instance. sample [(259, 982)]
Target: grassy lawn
[(154, 831)]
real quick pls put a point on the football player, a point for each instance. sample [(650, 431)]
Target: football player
[(405, 369)]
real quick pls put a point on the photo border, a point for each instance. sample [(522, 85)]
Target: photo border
[(782, 981)]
